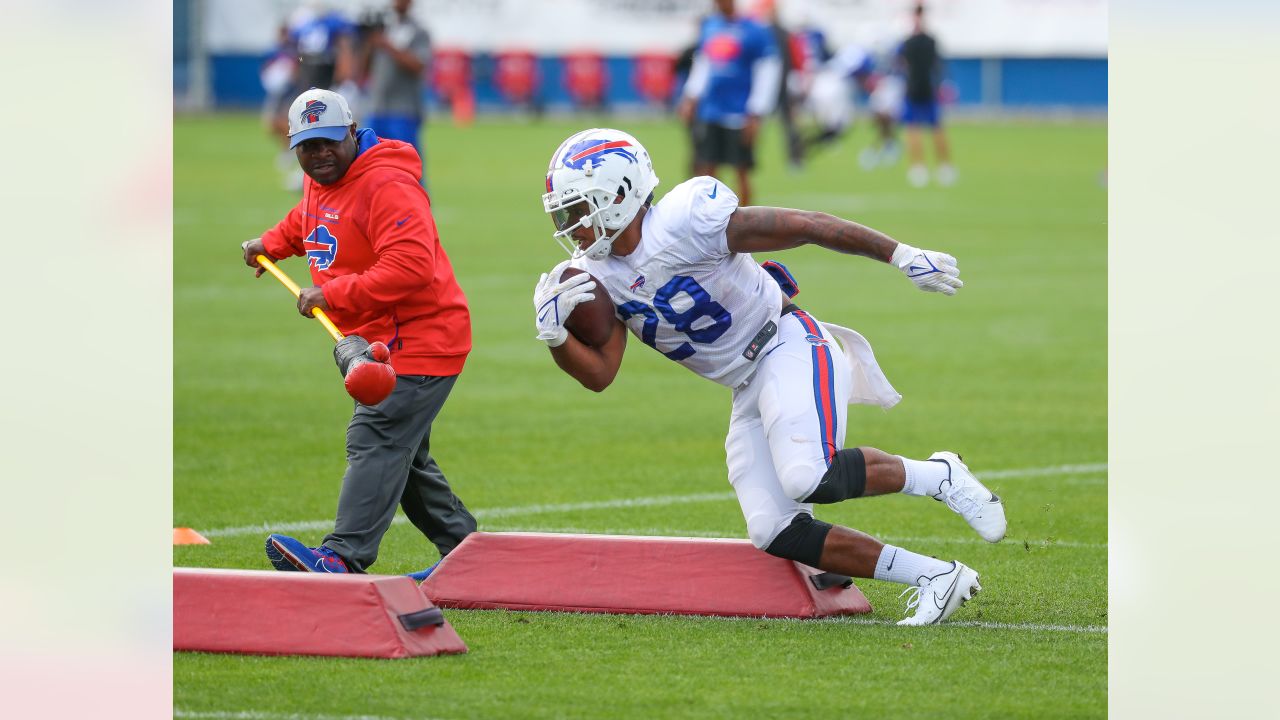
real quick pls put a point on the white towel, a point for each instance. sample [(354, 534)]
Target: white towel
[(870, 386)]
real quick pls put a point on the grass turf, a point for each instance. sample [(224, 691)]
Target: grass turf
[(1011, 373)]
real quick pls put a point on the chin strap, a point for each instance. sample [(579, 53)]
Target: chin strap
[(594, 252)]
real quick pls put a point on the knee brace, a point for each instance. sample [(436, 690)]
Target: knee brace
[(846, 478), (801, 541)]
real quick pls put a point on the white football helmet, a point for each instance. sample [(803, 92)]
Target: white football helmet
[(598, 178)]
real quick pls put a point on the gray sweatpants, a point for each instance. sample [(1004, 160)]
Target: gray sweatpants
[(388, 462)]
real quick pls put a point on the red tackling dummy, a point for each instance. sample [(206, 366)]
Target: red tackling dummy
[(295, 613), (629, 574)]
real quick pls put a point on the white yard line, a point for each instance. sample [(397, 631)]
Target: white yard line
[(1102, 629), (1009, 542), (653, 501), (485, 514), (1043, 471)]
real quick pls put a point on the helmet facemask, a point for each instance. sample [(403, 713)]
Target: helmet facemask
[(573, 209), (598, 179)]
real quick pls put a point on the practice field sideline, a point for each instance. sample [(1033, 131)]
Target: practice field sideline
[(1011, 373)]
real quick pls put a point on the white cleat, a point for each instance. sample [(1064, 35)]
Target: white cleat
[(970, 499), (918, 176), (869, 158), (936, 598)]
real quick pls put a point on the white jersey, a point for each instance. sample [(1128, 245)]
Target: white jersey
[(682, 291), (830, 100), (887, 98)]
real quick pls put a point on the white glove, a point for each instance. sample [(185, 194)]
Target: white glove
[(553, 301), (930, 271)]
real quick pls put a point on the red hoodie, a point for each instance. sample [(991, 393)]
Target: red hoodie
[(372, 246)]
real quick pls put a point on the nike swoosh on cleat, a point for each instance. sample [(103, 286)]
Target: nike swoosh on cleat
[(943, 604), (713, 192)]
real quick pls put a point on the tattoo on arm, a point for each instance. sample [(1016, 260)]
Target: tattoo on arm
[(761, 229)]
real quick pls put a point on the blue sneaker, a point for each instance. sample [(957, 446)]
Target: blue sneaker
[(301, 557), (276, 559), (423, 574)]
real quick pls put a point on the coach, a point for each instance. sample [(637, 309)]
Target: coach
[(366, 229)]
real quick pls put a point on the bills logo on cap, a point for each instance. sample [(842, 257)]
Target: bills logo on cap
[(312, 112)]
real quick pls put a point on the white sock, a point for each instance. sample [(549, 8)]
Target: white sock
[(924, 477), (903, 566)]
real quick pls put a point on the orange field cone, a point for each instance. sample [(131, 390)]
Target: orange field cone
[(464, 108), (187, 536)]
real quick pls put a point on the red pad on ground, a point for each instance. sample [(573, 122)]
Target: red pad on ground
[(630, 574), (297, 613)]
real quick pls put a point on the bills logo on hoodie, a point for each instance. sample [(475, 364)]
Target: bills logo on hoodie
[(322, 248)]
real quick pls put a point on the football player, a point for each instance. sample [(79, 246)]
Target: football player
[(732, 86), (830, 99), (681, 278)]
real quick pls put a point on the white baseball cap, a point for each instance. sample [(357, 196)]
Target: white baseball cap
[(318, 113)]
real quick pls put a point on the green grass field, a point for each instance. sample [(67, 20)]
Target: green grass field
[(1012, 373)]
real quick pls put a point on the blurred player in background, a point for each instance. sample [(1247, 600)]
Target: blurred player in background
[(886, 104), (364, 224), (326, 50), (395, 52), (767, 12), (831, 94), (319, 42), (279, 79), (732, 86), (811, 55), (923, 64), (683, 65), (681, 278)]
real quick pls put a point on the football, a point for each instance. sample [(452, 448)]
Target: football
[(592, 322)]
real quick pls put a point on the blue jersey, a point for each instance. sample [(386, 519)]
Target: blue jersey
[(731, 47), (316, 36), (813, 43), (852, 62)]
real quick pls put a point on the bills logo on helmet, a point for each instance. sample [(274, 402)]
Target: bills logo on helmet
[(312, 112), (322, 248), (815, 340), (594, 152)]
